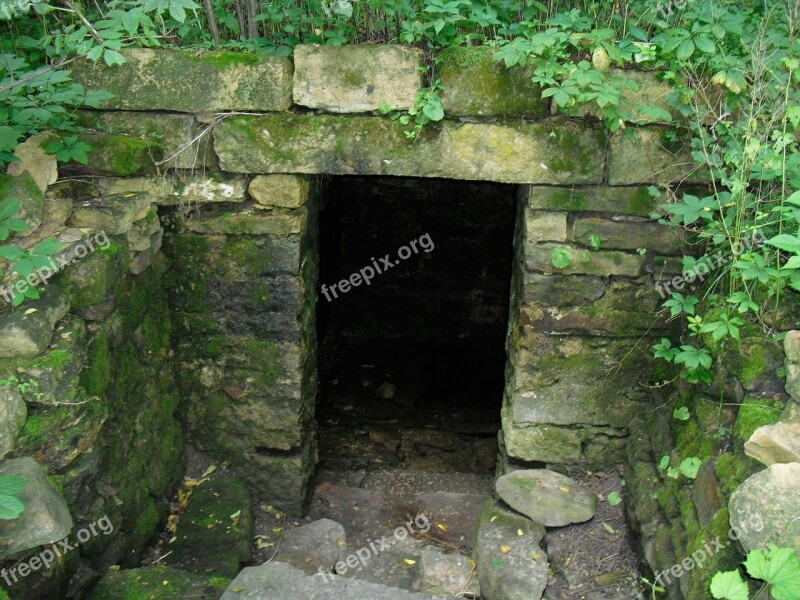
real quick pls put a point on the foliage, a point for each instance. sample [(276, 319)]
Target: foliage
[(778, 568), (10, 506)]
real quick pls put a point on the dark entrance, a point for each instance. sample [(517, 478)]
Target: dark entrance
[(412, 355)]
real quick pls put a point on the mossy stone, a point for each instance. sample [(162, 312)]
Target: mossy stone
[(158, 583)]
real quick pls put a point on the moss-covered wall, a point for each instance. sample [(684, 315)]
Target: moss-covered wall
[(102, 400), (676, 516)]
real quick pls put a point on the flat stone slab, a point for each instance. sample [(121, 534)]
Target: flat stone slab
[(320, 544), (164, 583), (776, 443), (46, 518), (764, 508), (511, 563), (356, 78), (26, 333), (550, 152), (550, 498), (279, 581), (190, 82), (449, 574), (215, 532)]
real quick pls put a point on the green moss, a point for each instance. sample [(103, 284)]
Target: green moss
[(52, 359), (731, 470), (96, 375), (354, 78), (148, 521), (223, 60), (121, 155), (754, 413)]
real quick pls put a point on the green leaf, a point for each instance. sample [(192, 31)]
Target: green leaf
[(434, 111), (729, 585), (690, 466), (614, 498), (685, 50), (10, 507), (8, 208), (46, 247), (112, 57), (560, 257), (11, 252), (779, 567), (784, 241), (12, 484), (705, 44), (682, 413), (664, 462)]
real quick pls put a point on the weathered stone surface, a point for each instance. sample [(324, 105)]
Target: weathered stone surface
[(281, 191), (184, 142), (158, 188), (776, 443), (356, 78), (475, 84), (46, 518), (279, 581), (635, 201), (198, 189), (13, 412), (164, 583), (562, 290), (112, 214), (626, 235), (53, 377), (142, 231), (647, 156), (24, 333), (215, 531), (763, 509), (593, 320), (42, 167), (545, 226), (320, 544), (118, 155), (544, 443), (447, 574), (96, 278), (582, 261), (510, 566), (547, 497), (552, 151), (191, 82), (23, 188), (248, 221), (791, 347)]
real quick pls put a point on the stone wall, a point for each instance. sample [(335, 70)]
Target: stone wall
[(235, 198), (88, 370), (675, 516)]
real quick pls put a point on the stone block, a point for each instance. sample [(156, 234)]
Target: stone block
[(279, 191), (635, 201), (118, 155), (199, 189), (544, 226), (447, 574), (184, 142), (314, 546), (32, 158), (582, 261), (249, 221), (46, 518), (547, 497), (158, 582), (28, 333), (141, 232), (646, 156), (549, 152), (356, 78), (114, 214), (627, 235), (476, 85), (542, 443), (98, 277), (191, 82)]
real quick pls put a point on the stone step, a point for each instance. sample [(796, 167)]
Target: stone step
[(279, 581)]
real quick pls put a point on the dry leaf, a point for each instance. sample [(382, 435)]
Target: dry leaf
[(505, 549)]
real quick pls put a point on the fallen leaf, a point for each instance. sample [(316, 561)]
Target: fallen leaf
[(441, 527), (505, 549), (520, 532), (409, 561), (209, 470), (563, 489)]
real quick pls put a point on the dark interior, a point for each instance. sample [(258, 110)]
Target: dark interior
[(411, 365)]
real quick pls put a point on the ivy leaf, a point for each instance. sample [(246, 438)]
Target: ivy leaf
[(10, 507), (682, 413), (779, 567), (560, 257), (690, 466), (12, 484), (729, 585)]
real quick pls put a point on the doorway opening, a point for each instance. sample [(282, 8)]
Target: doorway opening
[(412, 316)]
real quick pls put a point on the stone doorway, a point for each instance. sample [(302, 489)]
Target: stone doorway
[(412, 356)]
